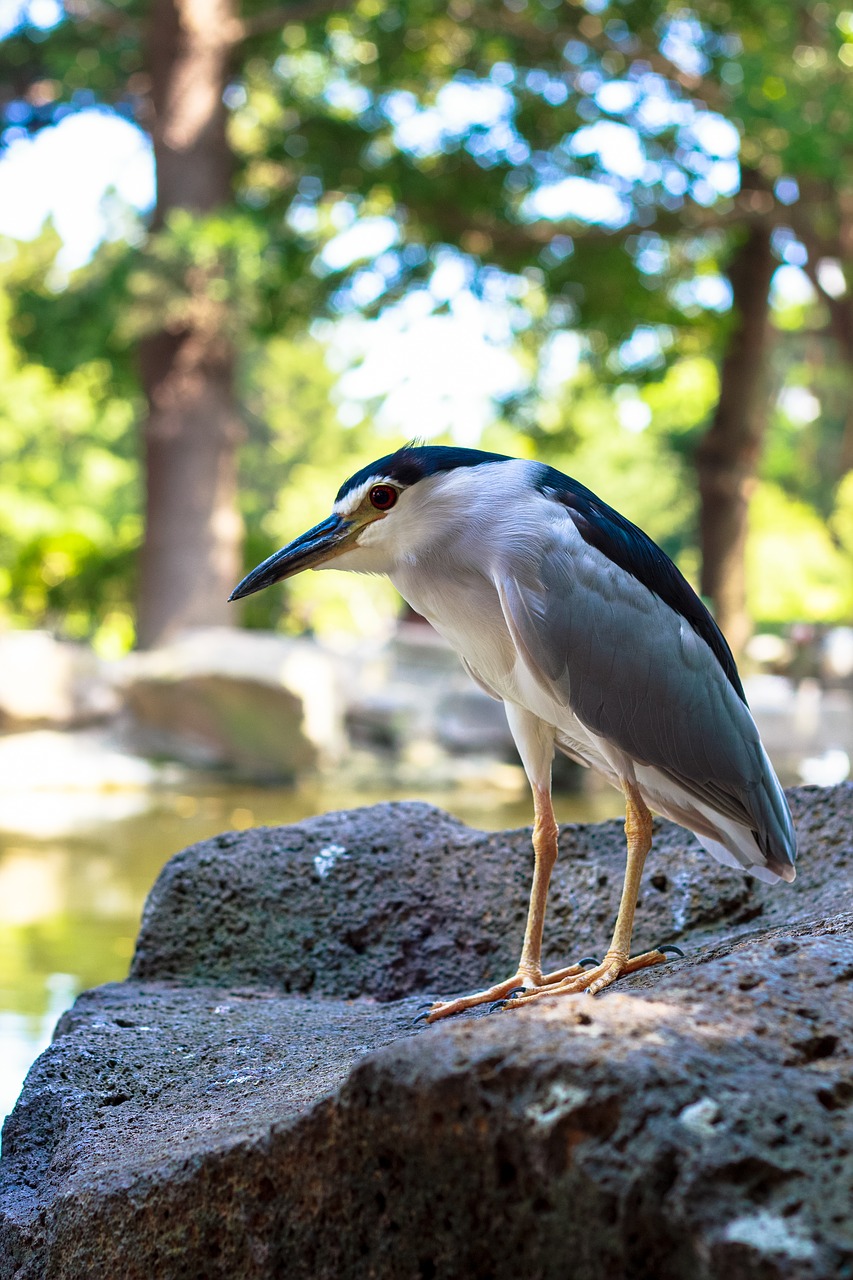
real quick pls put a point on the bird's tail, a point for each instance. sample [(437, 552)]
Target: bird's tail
[(776, 838), (766, 849)]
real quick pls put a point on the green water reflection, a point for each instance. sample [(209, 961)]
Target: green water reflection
[(71, 896)]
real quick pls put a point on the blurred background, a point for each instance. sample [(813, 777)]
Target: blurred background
[(246, 248)]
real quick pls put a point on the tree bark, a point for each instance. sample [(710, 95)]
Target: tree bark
[(727, 458), (191, 554), (840, 312)]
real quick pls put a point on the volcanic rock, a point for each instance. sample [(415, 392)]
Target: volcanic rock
[(255, 1102)]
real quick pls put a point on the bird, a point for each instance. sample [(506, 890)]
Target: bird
[(596, 644)]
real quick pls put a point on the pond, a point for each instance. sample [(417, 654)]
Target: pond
[(75, 871), (77, 860)]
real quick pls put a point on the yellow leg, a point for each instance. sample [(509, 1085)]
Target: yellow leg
[(545, 833), (529, 971), (618, 960)]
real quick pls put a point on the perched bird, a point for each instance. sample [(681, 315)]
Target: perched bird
[(595, 643)]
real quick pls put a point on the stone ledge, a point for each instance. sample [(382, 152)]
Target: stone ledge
[(695, 1122)]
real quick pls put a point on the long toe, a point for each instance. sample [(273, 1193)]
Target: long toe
[(559, 975), (511, 990), (595, 979), (516, 990)]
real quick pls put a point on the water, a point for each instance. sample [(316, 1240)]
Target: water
[(77, 858), (75, 870)]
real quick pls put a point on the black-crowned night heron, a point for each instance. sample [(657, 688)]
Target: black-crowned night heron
[(595, 643)]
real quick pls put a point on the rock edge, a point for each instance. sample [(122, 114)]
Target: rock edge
[(254, 1101)]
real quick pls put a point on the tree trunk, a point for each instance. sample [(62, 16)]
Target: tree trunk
[(727, 459), (191, 555), (841, 327)]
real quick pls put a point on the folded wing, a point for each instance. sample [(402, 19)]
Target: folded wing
[(637, 673)]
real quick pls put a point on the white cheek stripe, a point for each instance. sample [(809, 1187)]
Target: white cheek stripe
[(352, 500)]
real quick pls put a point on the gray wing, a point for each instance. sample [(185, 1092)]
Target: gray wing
[(636, 673)]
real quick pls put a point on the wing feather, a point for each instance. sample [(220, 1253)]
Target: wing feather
[(479, 680), (637, 674)]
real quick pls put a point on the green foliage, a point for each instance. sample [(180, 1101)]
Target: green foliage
[(69, 500), (633, 447), (343, 117), (841, 522), (790, 87), (65, 327), (296, 456), (350, 122), (69, 496), (795, 570), (220, 273)]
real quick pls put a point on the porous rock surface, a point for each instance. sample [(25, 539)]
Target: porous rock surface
[(255, 1102)]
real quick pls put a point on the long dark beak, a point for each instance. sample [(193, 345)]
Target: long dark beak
[(325, 540)]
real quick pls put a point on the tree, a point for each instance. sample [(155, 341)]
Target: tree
[(170, 72), (192, 549), (481, 188), (70, 516), (729, 453), (793, 100), (476, 130)]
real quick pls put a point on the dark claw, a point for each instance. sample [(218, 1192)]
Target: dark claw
[(430, 1003), (422, 1017), (510, 995), (592, 960), (670, 950)]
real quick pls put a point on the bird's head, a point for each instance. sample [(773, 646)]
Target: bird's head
[(379, 516)]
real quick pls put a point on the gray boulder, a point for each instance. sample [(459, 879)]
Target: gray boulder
[(255, 1102), (46, 682), (252, 705), (250, 729)]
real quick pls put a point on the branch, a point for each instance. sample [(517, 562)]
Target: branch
[(274, 19), (840, 316), (507, 23), (102, 14), (815, 200), (748, 208), (537, 39)]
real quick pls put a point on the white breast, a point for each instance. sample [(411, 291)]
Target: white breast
[(451, 582)]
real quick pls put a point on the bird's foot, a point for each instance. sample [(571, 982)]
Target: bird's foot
[(520, 986), (593, 980)]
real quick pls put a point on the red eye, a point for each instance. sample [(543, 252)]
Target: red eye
[(383, 497)]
